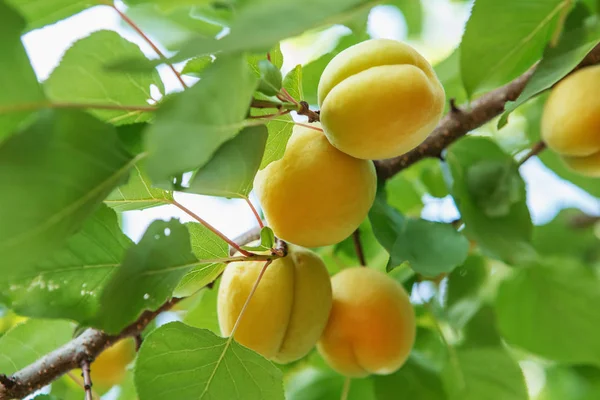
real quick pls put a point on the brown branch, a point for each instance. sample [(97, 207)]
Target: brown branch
[(536, 149), (87, 379), (458, 122), (358, 248)]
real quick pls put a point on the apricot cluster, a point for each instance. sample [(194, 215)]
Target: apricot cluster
[(378, 99), (571, 121)]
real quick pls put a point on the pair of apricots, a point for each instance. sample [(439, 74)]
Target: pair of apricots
[(320, 191)]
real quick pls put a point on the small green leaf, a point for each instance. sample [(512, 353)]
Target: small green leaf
[(70, 81), (68, 282), (58, 170), (276, 58), (267, 237), (484, 373), (206, 245), (231, 170), (191, 126), (293, 83), (557, 62), (552, 295), (517, 31), (403, 195), (280, 130), (213, 367), (137, 194), (431, 248), (23, 344), (270, 78), (466, 280), (17, 80), (196, 66), (147, 276), (495, 186), (506, 237)]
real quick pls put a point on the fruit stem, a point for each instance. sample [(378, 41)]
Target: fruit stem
[(258, 218), (239, 318), (211, 228), (346, 389), (308, 126), (358, 248), (535, 150), (160, 54)]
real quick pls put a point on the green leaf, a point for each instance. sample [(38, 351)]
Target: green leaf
[(196, 66), (495, 186), (484, 373), (431, 248), (506, 237), (533, 113), (552, 295), (276, 58), (481, 330), (167, 4), (448, 72), (23, 344), (573, 383), (137, 194), (267, 241), (202, 313), (293, 83), (67, 283), (280, 130), (270, 78), (319, 384), (413, 380), (516, 30), (70, 81), (557, 62), (45, 397), (560, 237), (466, 280), (147, 276), (17, 80), (39, 13), (191, 126), (412, 10), (58, 170), (403, 195), (212, 368), (206, 245), (260, 25), (230, 172)]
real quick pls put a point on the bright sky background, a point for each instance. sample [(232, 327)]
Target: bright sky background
[(442, 31)]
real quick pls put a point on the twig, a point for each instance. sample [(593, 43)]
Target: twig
[(256, 215), (313, 116), (160, 54), (210, 227), (80, 383), (457, 124), (536, 149), (346, 388), (87, 379), (308, 126), (358, 248)]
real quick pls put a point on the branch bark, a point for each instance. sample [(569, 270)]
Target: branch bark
[(87, 346), (459, 122)]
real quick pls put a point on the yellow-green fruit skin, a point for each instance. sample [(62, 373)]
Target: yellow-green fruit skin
[(371, 327), (571, 121), (315, 195), (109, 368), (379, 99), (289, 309)]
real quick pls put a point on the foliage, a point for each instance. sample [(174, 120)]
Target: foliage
[(101, 137)]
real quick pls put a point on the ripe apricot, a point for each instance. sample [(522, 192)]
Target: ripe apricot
[(110, 367), (379, 99), (371, 327), (315, 195), (571, 121), (289, 309)]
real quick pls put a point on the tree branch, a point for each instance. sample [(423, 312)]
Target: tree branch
[(458, 122)]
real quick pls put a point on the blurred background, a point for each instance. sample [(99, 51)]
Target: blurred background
[(442, 25)]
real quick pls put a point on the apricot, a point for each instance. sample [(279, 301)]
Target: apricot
[(571, 121), (289, 309), (110, 367), (315, 195), (379, 99), (371, 327)]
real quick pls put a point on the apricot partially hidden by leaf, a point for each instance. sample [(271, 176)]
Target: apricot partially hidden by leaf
[(379, 99), (110, 367), (315, 195), (371, 327), (289, 309), (571, 121)]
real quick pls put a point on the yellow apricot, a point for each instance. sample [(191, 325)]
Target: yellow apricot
[(379, 99), (315, 195), (371, 327), (110, 367), (571, 121), (289, 309)]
